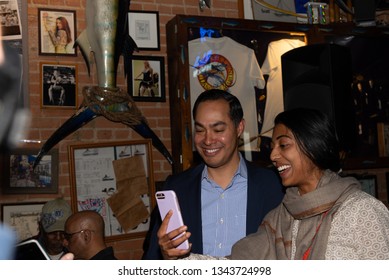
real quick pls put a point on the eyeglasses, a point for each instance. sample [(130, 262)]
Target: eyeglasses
[(68, 236)]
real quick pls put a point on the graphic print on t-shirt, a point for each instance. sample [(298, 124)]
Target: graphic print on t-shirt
[(222, 63), (216, 72)]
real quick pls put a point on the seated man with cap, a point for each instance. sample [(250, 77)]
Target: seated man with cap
[(52, 227)]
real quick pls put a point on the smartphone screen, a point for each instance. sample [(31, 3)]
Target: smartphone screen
[(167, 200)]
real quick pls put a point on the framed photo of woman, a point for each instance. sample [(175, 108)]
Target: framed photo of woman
[(146, 81), (57, 32)]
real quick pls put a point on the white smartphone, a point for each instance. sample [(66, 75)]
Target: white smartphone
[(167, 200), (30, 250)]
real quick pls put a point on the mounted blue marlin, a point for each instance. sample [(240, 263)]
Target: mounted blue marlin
[(106, 37)]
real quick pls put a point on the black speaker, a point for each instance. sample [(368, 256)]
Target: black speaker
[(319, 76), (364, 10)]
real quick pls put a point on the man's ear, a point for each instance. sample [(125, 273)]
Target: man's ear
[(240, 127), (87, 236)]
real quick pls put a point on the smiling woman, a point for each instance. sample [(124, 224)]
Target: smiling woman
[(313, 221)]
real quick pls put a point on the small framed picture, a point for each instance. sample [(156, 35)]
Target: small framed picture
[(57, 32), (11, 27), (387, 185), (22, 218), (19, 176), (58, 85), (368, 182), (146, 80), (383, 139), (143, 27)]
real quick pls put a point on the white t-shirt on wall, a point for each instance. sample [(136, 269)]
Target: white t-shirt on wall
[(272, 67), (225, 64)]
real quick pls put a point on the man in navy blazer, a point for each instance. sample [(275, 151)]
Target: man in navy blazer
[(253, 190)]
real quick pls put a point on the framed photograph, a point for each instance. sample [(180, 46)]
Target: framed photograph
[(22, 218), (146, 80), (116, 180), (387, 186), (383, 139), (19, 177), (11, 27), (57, 32), (58, 85), (143, 27), (368, 183)]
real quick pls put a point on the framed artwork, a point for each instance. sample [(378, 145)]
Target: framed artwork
[(116, 180), (22, 218), (57, 32), (19, 177), (11, 26), (58, 85), (383, 139), (368, 183), (387, 185), (143, 27), (146, 80)]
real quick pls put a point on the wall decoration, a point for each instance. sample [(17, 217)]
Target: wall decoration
[(19, 177), (383, 139), (22, 218), (11, 25), (57, 32), (116, 180), (368, 182), (146, 80), (58, 85), (387, 186), (143, 27)]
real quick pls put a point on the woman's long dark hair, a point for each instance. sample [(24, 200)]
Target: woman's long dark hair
[(315, 135)]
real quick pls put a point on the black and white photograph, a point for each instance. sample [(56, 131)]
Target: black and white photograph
[(143, 27), (10, 20), (59, 85)]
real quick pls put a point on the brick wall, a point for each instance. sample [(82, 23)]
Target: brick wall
[(45, 121)]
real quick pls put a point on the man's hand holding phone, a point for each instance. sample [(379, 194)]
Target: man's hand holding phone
[(169, 241), (172, 235)]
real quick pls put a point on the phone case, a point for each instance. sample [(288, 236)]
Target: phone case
[(167, 200)]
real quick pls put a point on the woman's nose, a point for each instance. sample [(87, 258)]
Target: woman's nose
[(274, 155)]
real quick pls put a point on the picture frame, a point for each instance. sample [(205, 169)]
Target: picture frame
[(387, 186), (19, 177), (58, 85), (383, 139), (116, 180), (368, 183), (11, 23), (143, 27), (57, 32), (142, 85), (22, 218)]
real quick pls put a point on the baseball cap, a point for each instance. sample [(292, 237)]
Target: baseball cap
[(54, 215)]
